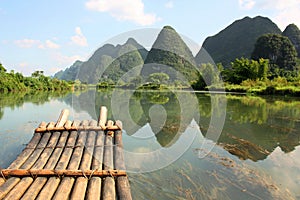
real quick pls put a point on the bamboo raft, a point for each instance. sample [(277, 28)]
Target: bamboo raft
[(70, 160)]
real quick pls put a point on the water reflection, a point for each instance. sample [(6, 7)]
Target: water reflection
[(168, 113), (261, 129), (15, 100), (20, 114), (254, 126)]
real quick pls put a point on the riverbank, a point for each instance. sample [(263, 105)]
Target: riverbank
[(279, 87)]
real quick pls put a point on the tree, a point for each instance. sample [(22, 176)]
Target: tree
[(293, 33), (159, 78), (37, 74), (2, 69), (243, 69), (278, 49)]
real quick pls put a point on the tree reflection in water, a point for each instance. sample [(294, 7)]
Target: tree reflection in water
[(254, 126)]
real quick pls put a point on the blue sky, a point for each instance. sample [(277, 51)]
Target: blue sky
[(51, 35)]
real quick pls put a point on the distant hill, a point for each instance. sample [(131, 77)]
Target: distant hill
[(238, 39), (107, 62), (293, 33), (70, 73), (169, 54)]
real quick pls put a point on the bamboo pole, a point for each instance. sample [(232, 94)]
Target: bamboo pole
[(62, 172), (80, 128), (108, 190), (68, 125), (42, 126), (122, 183), (34, 189), (118, 150), (48, 160), (65, 187), (123, 188), (78, 151), (41, 162), (108, 153), (103, 117), (67, 152), (18, 191), (110, 123), (52, 184), (79, 189), (62, 118), (26, 152), (64, 190), (62, 124), (49, 189), (48, 163), (50, 126), (71, 160), (98, 152), (94, 189), (36, 153), (8, 186), (89, 150), (51, 163), (2, 181), (12, 182), (22, 186)]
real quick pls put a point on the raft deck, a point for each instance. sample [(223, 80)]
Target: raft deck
[(70, 160)]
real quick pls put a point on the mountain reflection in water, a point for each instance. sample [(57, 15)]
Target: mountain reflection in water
[(264, 129), (254, 126)]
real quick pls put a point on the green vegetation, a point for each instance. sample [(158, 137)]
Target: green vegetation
[(107, 64), (238, 39), (245, 69), (277, 86), (278, 50), (128, 57), (170, 55), (272, 69), (15, 82), (249, 76), (208, 75), (277, 117), (293, 33)]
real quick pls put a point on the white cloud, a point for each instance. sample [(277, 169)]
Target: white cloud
[(169, 4), (278, 4), (4, 41), (27, 43), (284, 12), (247, 4), (31, 43), (79, 39), (53, 70), (51, 45), (288, 16), (23, 64), (66, 60), (124, 10)]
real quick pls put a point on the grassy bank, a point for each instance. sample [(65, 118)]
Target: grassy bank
[(277, 86)]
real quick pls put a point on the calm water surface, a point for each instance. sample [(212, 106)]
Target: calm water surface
[(256, 155)]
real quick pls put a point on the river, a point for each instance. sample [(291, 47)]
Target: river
[(180, 144)]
